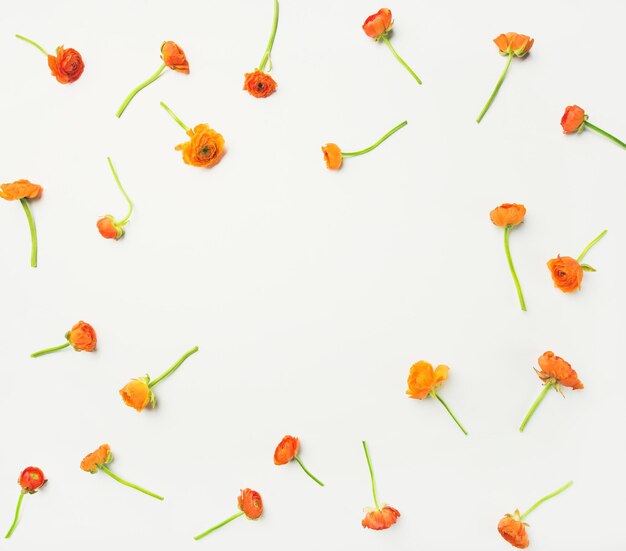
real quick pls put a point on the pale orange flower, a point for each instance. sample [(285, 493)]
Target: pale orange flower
[(566, 273), (137, 394), (332, 156), (423, 379), (558, 370), (91, 462), (20, 189), (508, 214), (205, 149), (174, 57), (82, 337), (518, 44)]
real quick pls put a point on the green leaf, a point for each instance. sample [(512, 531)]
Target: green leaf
[(587, 268)]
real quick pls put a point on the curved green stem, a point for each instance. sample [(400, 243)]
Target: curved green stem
[(495, 91), (33, 233), (307, 471), (173, 115), (546, 388), (33, 43), (174, 367), (369, 466), (129, 484), (546, 498), (450, 412), (520, 295), (267, 56), (130, 96), (586, 249), (119, 185), (395, 54), (374, 146), (49, 350), (17, 516), (207, 532), (605, 133)]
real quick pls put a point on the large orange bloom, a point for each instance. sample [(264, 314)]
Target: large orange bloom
[(423, 379), (259, 84), (556, 368), (519, 44), (82, 337), (174, 57), (513, 530), (91, 462), (67, 65), (573, 119), (20, 189), (205, 148), (378, 24), (286, 450), (332, 156), (250, 503), (31, 479), (566, 272), (137, 394), (381, 519), (508, 214)]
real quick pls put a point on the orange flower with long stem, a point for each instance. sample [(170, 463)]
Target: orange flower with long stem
[(173, 58), (287, 450), (555, 373), (206, 146), (23, 190), (423, 381), (378, 26), (138, 393), (575, 119), (567, 272), (510, 45), (507, 216), (512, 526), (259, 83), (98, 461), (66, 65), (108, 226), (81, 337), (379, 518), (30, 480), (249, 503), (333, 156)]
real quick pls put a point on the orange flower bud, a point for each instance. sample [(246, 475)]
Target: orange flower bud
[(108, 228), (174, 57), (259, 84), (21, 189), (137, 394), (423, 379), (566, 272), (82, 337), (381, 519), (92, 462), (508, 214), (250, 503), (205, 149), (378, 24), (518, 44), (556, 368), (31, 479), (332, 156), (573, 119), (286, 450), (66, 66), (513, 530)]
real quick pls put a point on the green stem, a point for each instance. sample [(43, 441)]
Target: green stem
[(605, 133), (17, 516), (369, 466), (586, 249), (33, 43), (520, 295), (546, 498), (33, 233), (495, 91), (386, 40), (374, 146), (130, 96), (129, 484), (181, 123), (267, 56), (229, 519), (174, 367), (546, 388), (119, 185), (49, 350), (450, 412), (307, 470)]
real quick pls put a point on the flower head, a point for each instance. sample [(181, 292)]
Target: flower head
[(559, 371), (109, 228), (137, 394), (20, 189), (332, 156), (67, 65), (250, 503), (205, 148), (381, 519), (259, 84), (518, 44), (286, 450), (93, 461), (566, 272), (513, 530), (31, 479), (508, 214), (82, 337), (573, 120), (174, 57), (423, 379), (378, 24)]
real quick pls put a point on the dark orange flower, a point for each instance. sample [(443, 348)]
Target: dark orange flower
[(423, 379), (67, 65), (519, 44), (20, 189), (137, 394), (250, 503), (513, 530), (381, 519), (205, 148), (259, 84), (378, 24), (108, 228), (332, 156), (82, 337), (573, 119), (508, 214), (566, 272), (91, 462), (286, 450), (174, 57), (31, 479), (561, 372)]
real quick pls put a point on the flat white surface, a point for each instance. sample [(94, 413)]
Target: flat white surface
[(310, 292)]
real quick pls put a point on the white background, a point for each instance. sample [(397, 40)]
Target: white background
[(311, 292)]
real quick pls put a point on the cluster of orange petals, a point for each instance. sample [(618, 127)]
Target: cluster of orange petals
[(250, 503), (174, 57), (513, 530), (20, 189), (31, 479), (423, 379), (205, 149), (259, 84), (286, 450), (108, 228), (566, 273), (381, 519), (378, 24), (67, 65), (556, 369), (137, 394), (508, 214), (573, 119), (82, 337), (518, 44), (92, 462), (332, 156)]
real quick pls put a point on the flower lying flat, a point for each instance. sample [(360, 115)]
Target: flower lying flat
[(30, 480), (66, 65), (258, 83), (287, 450), (108, 226), (81, 337), (379, 518), (249, 503), (575, 119)]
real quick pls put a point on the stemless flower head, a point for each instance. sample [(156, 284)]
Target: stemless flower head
[(508, 214), (67, 65), (259, 84), (573, 120), (513, 530), (174, 57), (557, 369), (92, 462), (20, 189), (31, 479), (378, 24), (566, 272), (286, 450), (381, 519), (82, 337), (205, 148), (108, 228), (137, 394), (250, 503), (519, 44), (332, 156), (423, 379)]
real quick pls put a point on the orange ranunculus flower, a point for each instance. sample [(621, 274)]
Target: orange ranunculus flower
[(174, 57), (137, 394), (91, 462), (423, 379), (378, 24), (573, 119), (259, 84), (556, 368), (67, 66), (205, 148), (513, 530), (250, 503), (508, 214), (31, 479), (566, 272), (286, 450), (381, 519), (21, 189), (108, 228), (82, 337), (332, 156), (519, 44)]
